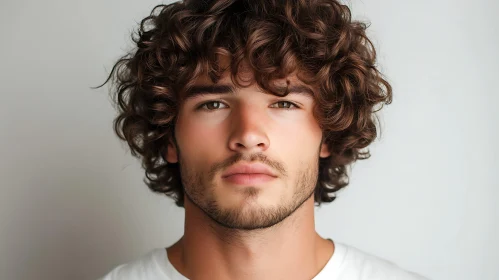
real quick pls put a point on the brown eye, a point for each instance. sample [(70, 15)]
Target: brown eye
[(285, 105), (212, 105)]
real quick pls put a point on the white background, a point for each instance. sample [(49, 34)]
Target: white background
[(73, 204)]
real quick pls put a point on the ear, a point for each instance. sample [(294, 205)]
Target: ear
[(172, 153), (324, 153)]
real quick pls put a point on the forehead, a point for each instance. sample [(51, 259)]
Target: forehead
[(201, 85), (246, 74)]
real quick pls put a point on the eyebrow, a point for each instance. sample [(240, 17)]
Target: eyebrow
[(201, 90)]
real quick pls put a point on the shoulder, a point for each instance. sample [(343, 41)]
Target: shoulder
[(365, 266), (147, 267)]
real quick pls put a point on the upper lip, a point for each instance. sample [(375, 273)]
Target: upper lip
[(254, 168)]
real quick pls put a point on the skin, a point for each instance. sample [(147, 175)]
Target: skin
[(260, 231)]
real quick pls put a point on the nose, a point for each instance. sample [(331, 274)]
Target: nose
[(248, 130)]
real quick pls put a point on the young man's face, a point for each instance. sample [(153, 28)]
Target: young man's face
[(248, 129)]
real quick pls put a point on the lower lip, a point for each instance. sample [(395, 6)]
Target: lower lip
[(249, 179)]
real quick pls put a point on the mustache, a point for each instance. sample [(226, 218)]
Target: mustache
[(258, 157)]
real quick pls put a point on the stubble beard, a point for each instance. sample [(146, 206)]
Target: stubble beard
[(199, 188)]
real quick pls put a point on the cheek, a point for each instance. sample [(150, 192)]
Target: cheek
[(296, 137), (296, 145), (198, 140)]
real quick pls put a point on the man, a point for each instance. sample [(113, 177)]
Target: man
[(247, 113)]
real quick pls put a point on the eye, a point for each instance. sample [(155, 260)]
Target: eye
[(215, 105), (285, 105), (212, 105)]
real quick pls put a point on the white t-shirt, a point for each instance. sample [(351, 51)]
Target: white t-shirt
[(346, 263)]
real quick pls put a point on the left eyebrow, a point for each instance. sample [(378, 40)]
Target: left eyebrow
[(202, 90)]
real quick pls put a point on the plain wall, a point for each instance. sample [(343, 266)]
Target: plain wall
[(73, 204)]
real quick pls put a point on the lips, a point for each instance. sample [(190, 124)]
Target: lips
[(249, 179), (245, 174), (254, 168)]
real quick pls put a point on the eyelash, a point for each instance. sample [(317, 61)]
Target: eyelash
[(201, 107)]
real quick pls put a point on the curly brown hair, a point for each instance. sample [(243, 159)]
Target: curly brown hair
[(178, 42)]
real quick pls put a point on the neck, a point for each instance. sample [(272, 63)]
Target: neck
[(291, 249)]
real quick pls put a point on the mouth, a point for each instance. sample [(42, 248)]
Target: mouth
[(248, 178)]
